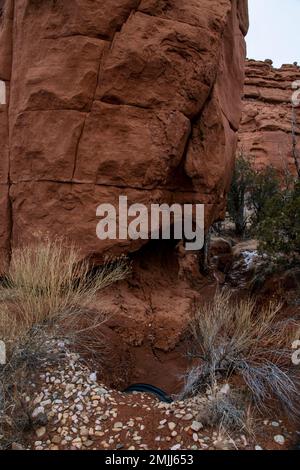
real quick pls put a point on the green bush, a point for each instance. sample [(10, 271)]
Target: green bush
[(279, 228), (264, 185), (241, 182)]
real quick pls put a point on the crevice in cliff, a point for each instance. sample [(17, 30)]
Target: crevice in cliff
[(130, 12), (193, 122), (101, 61), (85, 118), (77, 147), (109, 185), (10, 203), (232, 127), (118, 102), (44, 110), (171, 20), (90, 36)]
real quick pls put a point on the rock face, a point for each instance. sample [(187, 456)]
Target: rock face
[(266, 127), (122, 97)]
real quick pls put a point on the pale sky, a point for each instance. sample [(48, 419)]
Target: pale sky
[(274, 31)]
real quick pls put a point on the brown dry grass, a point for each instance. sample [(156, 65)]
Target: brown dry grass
[(46, 288)]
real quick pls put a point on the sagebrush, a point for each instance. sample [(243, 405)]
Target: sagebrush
[(238, 338)]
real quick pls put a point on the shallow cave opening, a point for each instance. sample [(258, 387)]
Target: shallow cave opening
[(144, 339)]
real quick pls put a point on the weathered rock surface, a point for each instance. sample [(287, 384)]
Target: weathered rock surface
[(266, 126), (139, 98)]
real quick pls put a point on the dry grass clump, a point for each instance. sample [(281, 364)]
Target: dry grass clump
[(226, 411), (236, 338), (46, 281), (45, 294)]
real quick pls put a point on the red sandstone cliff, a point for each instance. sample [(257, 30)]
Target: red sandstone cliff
[(266, 126), (135, 97)]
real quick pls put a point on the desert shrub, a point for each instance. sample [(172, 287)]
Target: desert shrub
[(263, 186), (279, 230), (249, 193), (45, 294), (236, 202), (236, 338)]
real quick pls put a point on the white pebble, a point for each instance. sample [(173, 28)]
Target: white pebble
[(279, 439)]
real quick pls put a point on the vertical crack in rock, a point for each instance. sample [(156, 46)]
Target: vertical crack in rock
[(6, 216), (101, 59)]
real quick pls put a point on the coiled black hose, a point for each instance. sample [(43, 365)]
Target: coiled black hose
[(160, 394)]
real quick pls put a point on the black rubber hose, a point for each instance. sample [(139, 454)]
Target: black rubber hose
[(160, 394)]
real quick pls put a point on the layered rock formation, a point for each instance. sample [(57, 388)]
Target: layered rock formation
[(267, 122), (132, 97)]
